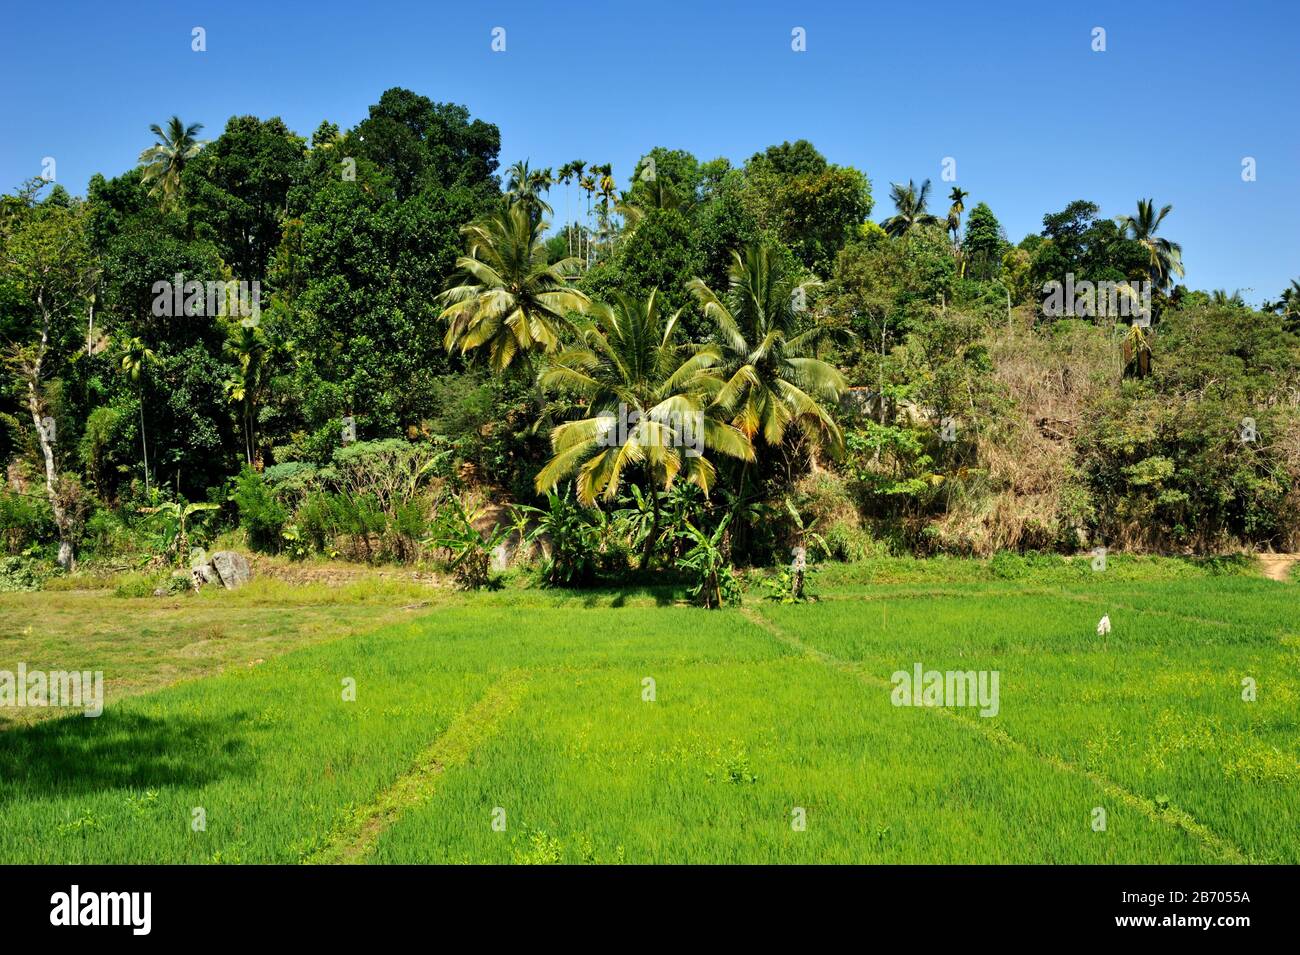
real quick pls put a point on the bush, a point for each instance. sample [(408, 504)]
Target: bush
[(392, 471), (108, 534), (292, 480), (362, 519), (784, 587), (24, 521), (847, 542), (407, 528), (573, 542), (1008, 565), (25, 571), (260, 514), (316, 522), (136, 585)]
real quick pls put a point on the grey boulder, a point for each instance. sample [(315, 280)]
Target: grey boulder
[(230, 568)]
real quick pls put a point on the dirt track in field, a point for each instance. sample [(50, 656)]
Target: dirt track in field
[(1277, 566)]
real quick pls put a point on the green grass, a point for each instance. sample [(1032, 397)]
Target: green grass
[(531, 703), (143, 644)]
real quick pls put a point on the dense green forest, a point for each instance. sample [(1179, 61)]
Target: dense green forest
[(380, 344)]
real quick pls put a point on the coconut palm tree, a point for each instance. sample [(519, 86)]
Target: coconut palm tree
[(646, 398), (1288, 303), (772, 379), (910, 203), (137, 359), (507, 298), (525, 186), (1166, 257), (1291, 297), (166, 159)]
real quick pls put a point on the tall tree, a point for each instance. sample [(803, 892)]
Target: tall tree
[(166, 159), (526, 185), (238, 191), (958, 197), (137, 360), (564, 177), (1288, 303), (984, 243), (910, 203), (1166, 257), (587, 182), (420, 143), (772, 379), (46, 260), (646, 398), (251, 350), (579, 168), (608, 190), (508, 300)]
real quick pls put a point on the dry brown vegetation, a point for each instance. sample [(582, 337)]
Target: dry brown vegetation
[(1022, 500)]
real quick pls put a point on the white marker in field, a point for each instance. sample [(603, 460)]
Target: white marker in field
[(1103, 625)]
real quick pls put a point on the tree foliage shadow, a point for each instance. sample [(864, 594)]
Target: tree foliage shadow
[(75, 755)]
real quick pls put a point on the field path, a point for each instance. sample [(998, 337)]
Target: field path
[(1278, 566), (1170, 816), (353, 841)]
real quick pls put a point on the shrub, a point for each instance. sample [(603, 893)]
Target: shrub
[(845, 541), (359, 518), (136, 585), (22, 572), (24, 520), (260, 514), (573, 541), (392, 471), (316, 522), (292, 480), (407, 528), (108, 534)]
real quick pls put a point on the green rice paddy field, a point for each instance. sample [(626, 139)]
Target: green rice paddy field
[(518, 726)]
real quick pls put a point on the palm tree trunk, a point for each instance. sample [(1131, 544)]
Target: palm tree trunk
[(648, 553), (144, 448), (587, 260)]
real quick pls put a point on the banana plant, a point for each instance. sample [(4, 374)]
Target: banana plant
[(706, 563), (173, 516), (471, 551)]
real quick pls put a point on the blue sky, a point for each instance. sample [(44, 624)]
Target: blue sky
[(1012, 91)]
